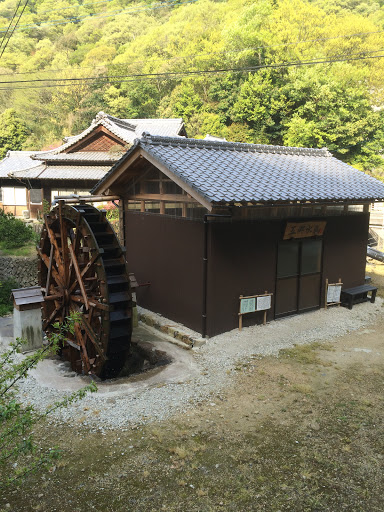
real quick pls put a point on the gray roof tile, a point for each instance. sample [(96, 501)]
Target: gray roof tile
[(81, 156), (126, 129), (65, 172), (227, 172), (17, 161)]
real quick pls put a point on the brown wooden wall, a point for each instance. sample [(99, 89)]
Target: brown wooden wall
[(345, 250), (242, 258), (167, 252), (242, 261)]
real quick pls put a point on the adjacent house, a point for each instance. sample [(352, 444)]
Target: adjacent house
[(208, 221), (28, 177)]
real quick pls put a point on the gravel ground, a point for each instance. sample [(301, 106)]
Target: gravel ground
[(211, 368)]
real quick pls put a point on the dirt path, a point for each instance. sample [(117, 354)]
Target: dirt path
[(301, 432)]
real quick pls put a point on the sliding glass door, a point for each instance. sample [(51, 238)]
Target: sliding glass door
[(298, 282)]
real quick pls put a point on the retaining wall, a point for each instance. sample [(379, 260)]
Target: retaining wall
[(21, 269)]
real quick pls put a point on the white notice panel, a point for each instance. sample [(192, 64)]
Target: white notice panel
[(333, 293), (263, 303)]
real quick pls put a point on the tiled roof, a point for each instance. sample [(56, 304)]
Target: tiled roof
[(229, 172), (65, 172), (17, 161), (161, 127), (83, 156), (126, 129)]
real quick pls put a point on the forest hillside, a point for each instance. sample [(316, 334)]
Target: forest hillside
[(291, 72)]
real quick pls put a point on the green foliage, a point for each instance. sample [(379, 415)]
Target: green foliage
[(5, 291), (46, 206), (19, 454), (13, 232), (13, 132), (330, 104)]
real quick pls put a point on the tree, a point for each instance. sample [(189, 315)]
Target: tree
[(19, 456), (13, 132)]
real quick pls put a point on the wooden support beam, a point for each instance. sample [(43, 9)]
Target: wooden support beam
[(173, 198)]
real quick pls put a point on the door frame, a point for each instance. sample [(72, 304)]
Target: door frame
[(299, 276)]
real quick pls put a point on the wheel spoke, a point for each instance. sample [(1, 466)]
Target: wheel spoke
[(64, 242), (49, 270), (91, 334), (79, 276), (84, 271), (53, 241), (54, 272), (84, 353), (49, 320), (93, 303)]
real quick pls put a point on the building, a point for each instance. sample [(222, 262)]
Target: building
[(28, 177), (207, 221)]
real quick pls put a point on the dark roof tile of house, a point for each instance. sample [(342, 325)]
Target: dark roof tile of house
[(228, 172)]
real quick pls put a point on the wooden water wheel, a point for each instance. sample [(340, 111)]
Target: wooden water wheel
[(83, 269)]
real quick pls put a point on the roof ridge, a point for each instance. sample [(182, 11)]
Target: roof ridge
[(116, 120), (147, 138)]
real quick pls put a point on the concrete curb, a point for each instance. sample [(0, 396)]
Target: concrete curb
[(186, 339)]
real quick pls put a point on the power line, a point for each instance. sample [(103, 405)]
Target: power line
[(176, 58), (112, 77), (14, 28), (108, 15), (177, 75), (9, 26)]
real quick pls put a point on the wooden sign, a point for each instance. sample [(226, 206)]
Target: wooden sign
[(253, 303), (304, 229), (332, 293)]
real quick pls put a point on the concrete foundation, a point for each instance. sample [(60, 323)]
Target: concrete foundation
[(27, 325)]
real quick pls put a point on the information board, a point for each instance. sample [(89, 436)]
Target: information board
[(263, 302), (247, 305), (333, 293), (253, 303)]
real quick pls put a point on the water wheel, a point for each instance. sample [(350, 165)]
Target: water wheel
[(83, 269)]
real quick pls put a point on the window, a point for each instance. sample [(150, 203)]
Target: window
[(35, 195), (1, 195), (15, 196)]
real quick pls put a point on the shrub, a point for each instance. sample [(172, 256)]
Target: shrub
[(5, 292), (13, 232), (19, 454)]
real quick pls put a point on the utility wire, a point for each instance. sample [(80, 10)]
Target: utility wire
[(193, 55), (76, 19), (14, 28), (10, 23), (177, 75), (232, 70)]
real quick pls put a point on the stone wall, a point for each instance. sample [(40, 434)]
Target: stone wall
[(22, 270)]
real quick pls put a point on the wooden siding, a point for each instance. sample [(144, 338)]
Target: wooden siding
[(168, 253)]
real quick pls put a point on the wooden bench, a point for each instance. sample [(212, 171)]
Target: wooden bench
[(351, 296)]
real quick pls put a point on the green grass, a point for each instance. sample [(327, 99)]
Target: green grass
[(305, 354), (26, 250)]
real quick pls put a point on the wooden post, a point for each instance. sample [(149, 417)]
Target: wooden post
[(265, 311), (326, 293), (240, 316)]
